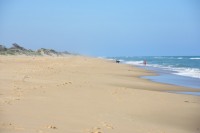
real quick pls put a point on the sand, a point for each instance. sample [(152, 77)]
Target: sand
[(77, 94)]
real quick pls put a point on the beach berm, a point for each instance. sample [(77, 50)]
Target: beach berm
[(77, 94)]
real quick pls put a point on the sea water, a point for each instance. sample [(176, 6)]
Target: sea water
[(176, 70)]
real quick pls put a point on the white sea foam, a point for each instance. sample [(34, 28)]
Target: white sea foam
[(101, 57), (195, 58), (121, 60), (137, 63), (110, 59), (140, 63), (168, 57), (189, 72)]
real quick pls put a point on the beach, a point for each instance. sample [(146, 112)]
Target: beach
[(77, 94)]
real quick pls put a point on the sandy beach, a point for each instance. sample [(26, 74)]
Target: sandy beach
[(77, 94)]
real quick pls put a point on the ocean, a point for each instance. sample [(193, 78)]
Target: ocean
[(176, 70)]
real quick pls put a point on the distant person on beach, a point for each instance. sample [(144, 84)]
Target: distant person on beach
[(145, 62), (117, 61)]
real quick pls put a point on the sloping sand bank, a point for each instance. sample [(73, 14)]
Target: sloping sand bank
[(85, 95)]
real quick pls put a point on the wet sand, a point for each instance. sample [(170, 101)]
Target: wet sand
[(77, 94)]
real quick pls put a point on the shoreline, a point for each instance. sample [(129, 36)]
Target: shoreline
[(175, 70), (166, 77), (80, 94)]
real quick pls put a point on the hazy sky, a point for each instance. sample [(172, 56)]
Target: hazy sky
[(103, 27)]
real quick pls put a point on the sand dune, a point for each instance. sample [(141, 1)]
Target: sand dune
[(77, 94)]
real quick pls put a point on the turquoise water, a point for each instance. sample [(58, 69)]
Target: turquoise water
[(176, 70)]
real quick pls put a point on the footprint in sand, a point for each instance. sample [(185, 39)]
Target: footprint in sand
[(11, 126), (108, 126), (95, 130), (104, 125), (50, 68), (7, 102), (65, 83), (51, 127), (17, 93), (46, 128), (116, 94), (25, 77)]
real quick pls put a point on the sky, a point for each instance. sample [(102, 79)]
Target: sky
[(103, 27)]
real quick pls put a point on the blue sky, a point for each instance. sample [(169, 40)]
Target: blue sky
[(103, 27)]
